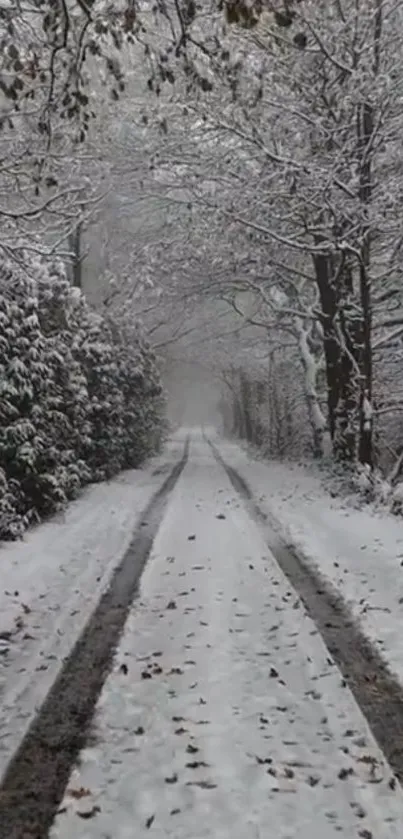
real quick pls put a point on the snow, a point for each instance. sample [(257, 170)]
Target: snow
[(239, 684), (359, 551), (51, 582)]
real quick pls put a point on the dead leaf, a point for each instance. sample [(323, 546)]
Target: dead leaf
[(172, 605), (192, 537), (149, 822), (345, 773), (173, 779), (79, 793), (195, 764), (89, 814), (191, 750), (202, 784)]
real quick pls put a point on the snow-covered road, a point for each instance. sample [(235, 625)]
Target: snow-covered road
[(51, 582), (224, 715)]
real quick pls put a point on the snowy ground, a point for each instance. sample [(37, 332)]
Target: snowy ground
[(224, 716), (51, 581), (359, 551)]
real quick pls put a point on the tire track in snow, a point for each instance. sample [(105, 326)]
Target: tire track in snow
[(34, 782), (378, 693)]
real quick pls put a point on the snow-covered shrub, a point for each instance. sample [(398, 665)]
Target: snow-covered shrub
[(79, 400)]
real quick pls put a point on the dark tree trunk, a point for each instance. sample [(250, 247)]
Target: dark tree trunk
[(327, 294), (246, 403), (365, 128), (76, 263)]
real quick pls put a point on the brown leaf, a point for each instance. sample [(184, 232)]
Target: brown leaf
[(89, 814), (195, 764), (202, 784), (149, 822), (345, 773), (82, 792)]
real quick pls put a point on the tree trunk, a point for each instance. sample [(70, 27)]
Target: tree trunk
[(75, 248), (246, 405), (309, 364), (365, 128), (324, 278)]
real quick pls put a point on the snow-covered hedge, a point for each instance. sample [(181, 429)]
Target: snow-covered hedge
[(80, 395)]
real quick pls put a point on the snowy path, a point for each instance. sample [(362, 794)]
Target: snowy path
[(358, 551), (224, 716), (51, 582)]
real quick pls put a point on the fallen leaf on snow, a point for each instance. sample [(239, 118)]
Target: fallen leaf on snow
[(345, 773), (82, 792), (89, 814), (195, 764), (202, 784)]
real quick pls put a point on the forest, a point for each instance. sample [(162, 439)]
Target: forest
[(218, 183)]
